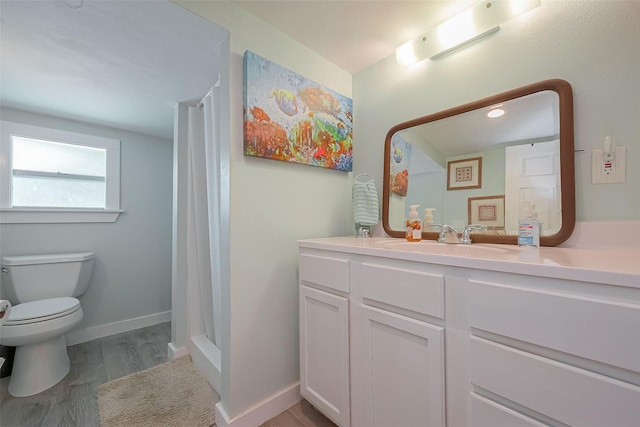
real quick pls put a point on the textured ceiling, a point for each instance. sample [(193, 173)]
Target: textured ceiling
[(126, 63), (113, 63)]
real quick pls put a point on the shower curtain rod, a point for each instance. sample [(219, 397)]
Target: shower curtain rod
[(205, 97), (200, 104)]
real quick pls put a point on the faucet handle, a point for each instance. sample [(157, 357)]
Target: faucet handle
[(475, 227), (443, 234), (466, 232)]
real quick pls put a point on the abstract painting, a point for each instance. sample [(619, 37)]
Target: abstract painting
[(290, 118)]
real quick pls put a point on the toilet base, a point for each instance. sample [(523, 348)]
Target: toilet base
[(38, 367)]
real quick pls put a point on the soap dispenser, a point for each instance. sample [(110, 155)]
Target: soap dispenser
[(414, 230), (428, 219)]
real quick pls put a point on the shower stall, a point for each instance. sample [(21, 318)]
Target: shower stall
[(201, 234)]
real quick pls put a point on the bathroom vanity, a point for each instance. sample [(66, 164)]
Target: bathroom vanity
[(428, 334)]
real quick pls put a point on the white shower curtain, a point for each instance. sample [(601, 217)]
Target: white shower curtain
[(204, 211)]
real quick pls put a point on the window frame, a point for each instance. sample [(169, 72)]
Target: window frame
[(10, 214)]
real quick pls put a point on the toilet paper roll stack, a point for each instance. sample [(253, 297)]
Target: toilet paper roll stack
[(5, 310)]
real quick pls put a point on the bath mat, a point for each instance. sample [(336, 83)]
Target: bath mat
[(170, 394)]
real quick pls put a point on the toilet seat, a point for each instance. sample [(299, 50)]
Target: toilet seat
[(41, 310)]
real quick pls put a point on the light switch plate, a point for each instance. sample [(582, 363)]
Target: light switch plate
[(612, 174)]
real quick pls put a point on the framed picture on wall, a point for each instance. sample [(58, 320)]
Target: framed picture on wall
[(487, 211), (464, 174)]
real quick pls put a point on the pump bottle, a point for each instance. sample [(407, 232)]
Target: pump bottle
[(414, 228), (428, 219), (528, 227)]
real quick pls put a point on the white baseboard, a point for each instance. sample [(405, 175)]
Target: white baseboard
[(261, 412), (78, 336), (206, 357), (176, 352)]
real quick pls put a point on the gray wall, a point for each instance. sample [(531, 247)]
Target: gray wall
[(132, 272)]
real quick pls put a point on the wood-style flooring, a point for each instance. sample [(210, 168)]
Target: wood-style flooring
[(301, 414), (72, 402)]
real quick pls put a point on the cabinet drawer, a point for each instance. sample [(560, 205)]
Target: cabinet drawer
[(562, 392), (405, 288), (486, 413), (593, 328), (329, 272)]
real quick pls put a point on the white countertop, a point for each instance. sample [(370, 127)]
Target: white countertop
[(606, 264)]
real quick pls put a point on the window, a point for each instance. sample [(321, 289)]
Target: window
[(49, 175), (55, 174)]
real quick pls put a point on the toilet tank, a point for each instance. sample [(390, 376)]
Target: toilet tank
[(34, 277)]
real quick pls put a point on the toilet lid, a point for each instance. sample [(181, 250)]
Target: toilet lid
[(41, 310)]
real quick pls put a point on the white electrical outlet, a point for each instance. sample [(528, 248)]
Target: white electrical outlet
[(608, 168), (608, 164)]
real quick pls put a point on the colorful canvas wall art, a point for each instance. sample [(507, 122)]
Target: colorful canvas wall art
[(290, 118), (400, 160)]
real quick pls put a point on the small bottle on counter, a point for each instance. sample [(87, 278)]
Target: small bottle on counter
[(428, 219), (528, 227), (413, 226)]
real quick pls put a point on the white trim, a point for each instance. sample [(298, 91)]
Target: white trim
[(36, 215), (206, 358), (174, 352), (56, 216), (78, 336), (263, 411)]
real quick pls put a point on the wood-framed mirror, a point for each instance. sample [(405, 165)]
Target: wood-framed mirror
[(471, 168)]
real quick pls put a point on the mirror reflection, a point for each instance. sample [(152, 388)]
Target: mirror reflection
[(485, 163)]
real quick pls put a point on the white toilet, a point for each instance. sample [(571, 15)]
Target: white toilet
[(41, 289)]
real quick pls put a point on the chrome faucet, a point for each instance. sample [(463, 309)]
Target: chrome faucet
[(466, 232), (448, 234)]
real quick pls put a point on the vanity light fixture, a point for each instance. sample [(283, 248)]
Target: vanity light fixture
[(475, 23)]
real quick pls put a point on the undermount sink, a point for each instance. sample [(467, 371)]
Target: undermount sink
[(432, 247)]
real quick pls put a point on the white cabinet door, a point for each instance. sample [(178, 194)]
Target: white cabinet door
[(397, 370), (324, 352)]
